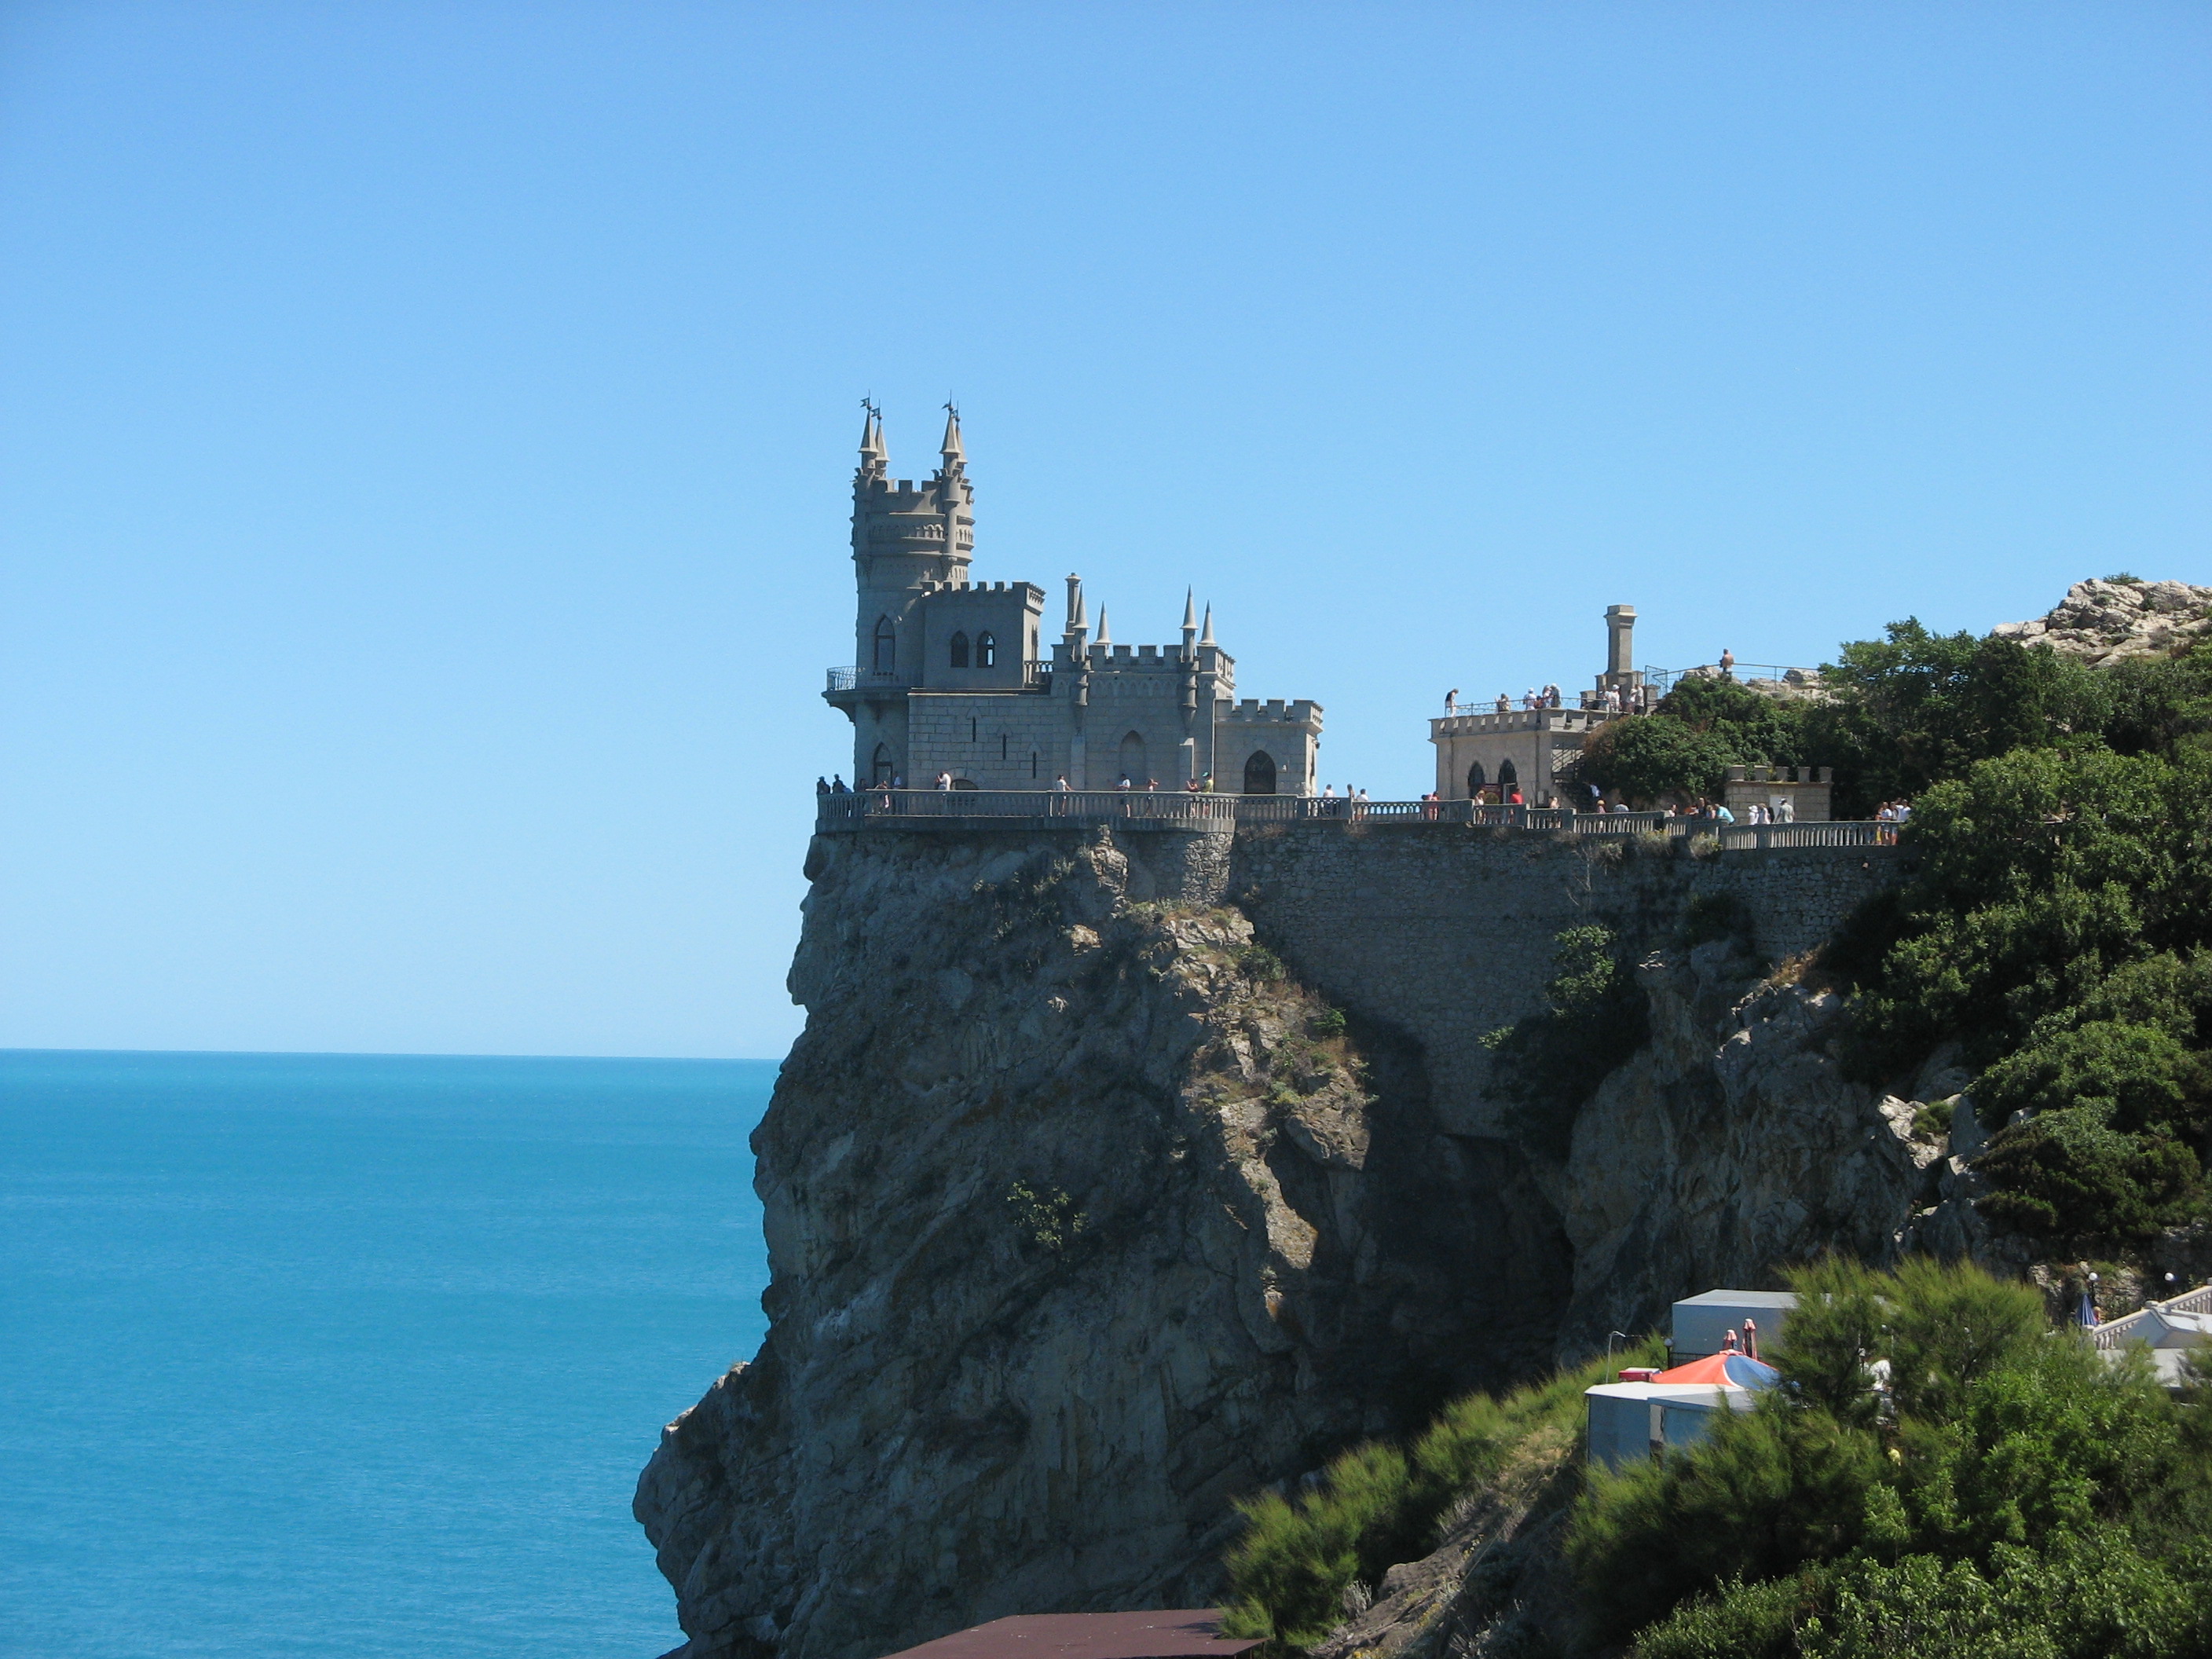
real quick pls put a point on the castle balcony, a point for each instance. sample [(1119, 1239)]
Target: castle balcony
[(1468, 722), (847, 686)]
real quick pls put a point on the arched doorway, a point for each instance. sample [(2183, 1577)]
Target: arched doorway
[(886, 658), (1131, 759), (1260, 773), (884, 767), (1507, 779), (1475, 781)]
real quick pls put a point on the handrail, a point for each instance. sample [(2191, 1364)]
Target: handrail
[(2198, 1300), (877, 803)]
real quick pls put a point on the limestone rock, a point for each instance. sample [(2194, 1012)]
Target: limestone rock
[(2109, 622), (1077, 1233)]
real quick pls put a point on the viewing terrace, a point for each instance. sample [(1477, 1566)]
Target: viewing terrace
[(970, 809)]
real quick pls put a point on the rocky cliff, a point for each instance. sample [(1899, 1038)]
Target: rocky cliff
[(1087, 1215)]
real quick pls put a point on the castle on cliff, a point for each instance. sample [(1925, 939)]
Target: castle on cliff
[(952, 677)]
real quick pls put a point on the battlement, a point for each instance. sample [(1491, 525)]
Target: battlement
[(1275, 711), (955, 589)]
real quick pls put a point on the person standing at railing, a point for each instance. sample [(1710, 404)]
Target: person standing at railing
[(945, 783), (821, 785), (837, 784), (1451, 701)]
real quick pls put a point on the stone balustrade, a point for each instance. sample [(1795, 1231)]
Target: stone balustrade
[(923, 809)]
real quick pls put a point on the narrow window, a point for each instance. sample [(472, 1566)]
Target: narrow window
[(1260, 773), (886, 646), (1033, 772), (1003, 741), (883, 768), (959, 650), (986, 651), (971, 728)]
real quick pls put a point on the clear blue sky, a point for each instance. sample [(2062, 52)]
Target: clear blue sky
[(427, 428)]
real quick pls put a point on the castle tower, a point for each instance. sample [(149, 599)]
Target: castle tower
[(907, 541)]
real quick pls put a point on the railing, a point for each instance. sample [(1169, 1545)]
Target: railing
[(840, 810), (1033, 674), (1665, 679), (2198, 1300), (850, 679), (1099, 804)]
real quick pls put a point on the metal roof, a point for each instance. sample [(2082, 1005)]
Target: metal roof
[(1161, 1633)]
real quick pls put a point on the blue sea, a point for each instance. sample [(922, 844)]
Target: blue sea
[(340, 1356)]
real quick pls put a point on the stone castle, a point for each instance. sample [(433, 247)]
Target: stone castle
[(952, 678)]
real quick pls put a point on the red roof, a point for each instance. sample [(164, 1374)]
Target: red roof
[(1167, 1633)]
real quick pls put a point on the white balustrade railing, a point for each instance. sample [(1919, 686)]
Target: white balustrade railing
[(2199, 1300)]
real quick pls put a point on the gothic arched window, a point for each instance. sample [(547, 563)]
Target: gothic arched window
[(986, 651), (1260, 773), (1131, 756), (1475, 781), (885, 766), (1507, 777), (886, 646), (960, 650)]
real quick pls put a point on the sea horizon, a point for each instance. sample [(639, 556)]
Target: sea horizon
[(358, 1354)]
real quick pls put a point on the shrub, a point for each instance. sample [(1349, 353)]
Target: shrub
[(1546, 1065), (1377, 1505), (2071, 1172)]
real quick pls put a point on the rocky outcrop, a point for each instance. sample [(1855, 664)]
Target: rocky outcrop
[(2110, 621), (1082, 1221), (1086, 1219), (1733, 1143)]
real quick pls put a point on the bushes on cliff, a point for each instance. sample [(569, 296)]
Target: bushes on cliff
[(1545, 1066), (1377, 1505), (2059, 928), (2005, 1463)]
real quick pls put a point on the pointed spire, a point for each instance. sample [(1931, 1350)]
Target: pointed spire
[(1189, 610), (875, 460), (1207, 638), (955, 457), (1103, 638)]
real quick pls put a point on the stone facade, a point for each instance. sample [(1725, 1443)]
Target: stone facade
[(1796, 794), (952, 677)]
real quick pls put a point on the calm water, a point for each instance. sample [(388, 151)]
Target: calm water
[(341, 1356)]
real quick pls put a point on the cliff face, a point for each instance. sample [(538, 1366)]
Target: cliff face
[(1082, 1221), (1085, 1218)]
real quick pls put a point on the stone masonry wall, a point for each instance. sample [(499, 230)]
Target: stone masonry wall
[(1444, 932)]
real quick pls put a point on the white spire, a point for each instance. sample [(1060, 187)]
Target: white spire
[(1102, 638), (1207, 638)]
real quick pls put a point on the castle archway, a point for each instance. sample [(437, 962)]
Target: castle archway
[(1260, 772), (1131, 759), (1475, 781), (886, 658), (884, 767), (1507, 778)]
